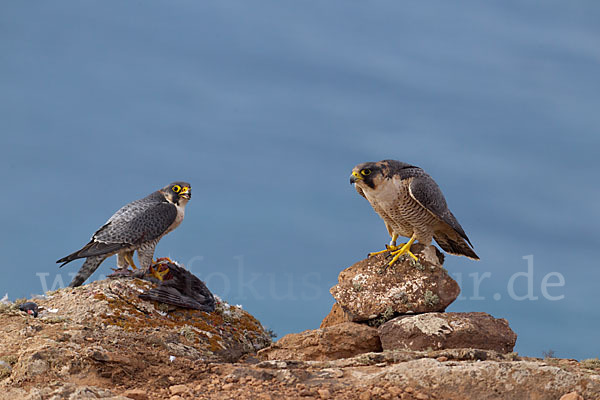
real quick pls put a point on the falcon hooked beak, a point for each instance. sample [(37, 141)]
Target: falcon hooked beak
[(355, 177), (186, 192)]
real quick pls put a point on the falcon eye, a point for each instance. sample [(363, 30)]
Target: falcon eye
[(176, 188), (366, 172)]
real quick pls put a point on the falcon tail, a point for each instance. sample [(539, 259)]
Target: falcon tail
[(90, 265), (93, 248), (68, 259), (455, 245)]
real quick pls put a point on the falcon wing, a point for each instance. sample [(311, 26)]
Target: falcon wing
[(132, 225), (139, 226), (427, 193)]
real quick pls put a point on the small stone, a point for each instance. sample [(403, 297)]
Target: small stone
[(442, 359), (572, 396), (178, 389), (136, 394), (409, 389), (364, 396), (228, 386), (421, 396), (176, 397), (324, 394), (378, 391), (395, 390)]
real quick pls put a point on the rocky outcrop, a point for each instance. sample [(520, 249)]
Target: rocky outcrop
[(100, 341), (448, 375), (437, 331), (371, 289), (374, 294), (340, 341), (104, 331)]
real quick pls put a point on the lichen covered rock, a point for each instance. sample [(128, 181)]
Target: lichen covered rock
[(105, 331), (371, 290), (452, 330)]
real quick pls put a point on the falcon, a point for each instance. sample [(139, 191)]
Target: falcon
[(412, 205), (139, 226)]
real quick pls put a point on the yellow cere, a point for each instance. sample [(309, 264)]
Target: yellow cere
[(185, 189)]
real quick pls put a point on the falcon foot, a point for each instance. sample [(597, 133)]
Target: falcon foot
[(388, 247), (129, 259), (120, 272), (405, 249), (160, 272)]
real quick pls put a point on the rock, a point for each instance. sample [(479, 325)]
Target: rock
[(336, 316), (371, 290), (571, 396), (178, 389), (114, 306), (340, 341), (487, 380), (136, 394), (63, 391), (324, 394), (103, 340), (5, 369), (228, 386), (447, 331)]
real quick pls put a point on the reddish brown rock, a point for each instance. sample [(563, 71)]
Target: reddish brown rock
[(572, 396), (335, 317), (136, 394), (340, 341), (370, 289), (447, 331)]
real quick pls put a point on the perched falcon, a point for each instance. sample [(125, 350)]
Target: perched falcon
[(411, 205), (137, 226)]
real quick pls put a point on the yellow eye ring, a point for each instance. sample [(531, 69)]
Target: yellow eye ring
[(176, 188), (366, 172)]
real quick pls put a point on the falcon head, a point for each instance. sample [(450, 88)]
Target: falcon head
[(367, 174), (177, 192)]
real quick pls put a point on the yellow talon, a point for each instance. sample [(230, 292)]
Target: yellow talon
[(405, 249), (128, 257), (159, 274), (387, 248)]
